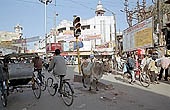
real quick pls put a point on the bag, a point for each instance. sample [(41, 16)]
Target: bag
[(131, 64)]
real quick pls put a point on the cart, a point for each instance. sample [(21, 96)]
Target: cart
[(17, 72)]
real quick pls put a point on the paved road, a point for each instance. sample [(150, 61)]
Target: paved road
[(114, 94)]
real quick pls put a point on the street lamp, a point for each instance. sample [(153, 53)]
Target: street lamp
[(46, 3)]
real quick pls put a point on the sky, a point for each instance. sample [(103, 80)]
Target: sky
[(30, 13)]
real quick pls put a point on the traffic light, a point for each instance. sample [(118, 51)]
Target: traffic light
[(77, 26)]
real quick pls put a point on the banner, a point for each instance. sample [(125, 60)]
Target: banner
[(138, 36)]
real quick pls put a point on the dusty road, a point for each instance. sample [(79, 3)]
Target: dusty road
[(114, 94)]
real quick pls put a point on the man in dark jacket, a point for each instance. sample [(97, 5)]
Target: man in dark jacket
[(131, 66)]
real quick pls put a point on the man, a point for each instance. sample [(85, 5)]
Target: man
[(164, 66), (153, 71), (38, 65), (144, 65), (58, 66), (131, 66)]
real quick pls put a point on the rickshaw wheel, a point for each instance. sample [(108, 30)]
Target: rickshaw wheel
[(36, 87)]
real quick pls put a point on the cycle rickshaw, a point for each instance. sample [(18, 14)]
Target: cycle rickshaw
[(17, 72)]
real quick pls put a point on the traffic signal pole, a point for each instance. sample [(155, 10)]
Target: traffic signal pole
[(77, 33), (78, 53)]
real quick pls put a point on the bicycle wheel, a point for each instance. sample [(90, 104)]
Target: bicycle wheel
[(4, 99), (36, 88), (127, 77), (43, 83), (67, 94), (52, 89), (144, 79)]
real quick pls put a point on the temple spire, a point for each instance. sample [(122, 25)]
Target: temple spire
[(100, 10)]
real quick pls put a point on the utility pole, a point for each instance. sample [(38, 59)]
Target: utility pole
[(55, 30), (45, 4), (158, 22)]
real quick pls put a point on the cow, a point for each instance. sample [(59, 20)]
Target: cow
[(94, 71)]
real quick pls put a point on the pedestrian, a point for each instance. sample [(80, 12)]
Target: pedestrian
[(131, 66), (144, 65), (153, 71), (118, 61), (58, 65), (165, 61)]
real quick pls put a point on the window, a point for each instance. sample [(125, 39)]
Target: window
[(85, 27), (61, 29)]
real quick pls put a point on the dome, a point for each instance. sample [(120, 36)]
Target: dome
[(100, 6), (100, 9)]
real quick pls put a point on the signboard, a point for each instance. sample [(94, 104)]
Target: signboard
[(66, 46), (54, 46), (92, 37), (33, 39), (80, 45), (138, 36), (6, 43)]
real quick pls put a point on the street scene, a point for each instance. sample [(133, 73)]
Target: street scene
[(113, 94), (85, 55)]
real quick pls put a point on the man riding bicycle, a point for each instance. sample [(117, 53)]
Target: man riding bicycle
[(58, 66), (38, 66)]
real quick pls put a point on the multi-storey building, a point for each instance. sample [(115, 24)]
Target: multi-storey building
[(9, 40), (97, 35)]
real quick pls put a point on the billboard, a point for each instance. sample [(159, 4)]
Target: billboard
[(54, 46), (138, 36)]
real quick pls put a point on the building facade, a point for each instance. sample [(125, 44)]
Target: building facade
[(97, 34), (10, 41)]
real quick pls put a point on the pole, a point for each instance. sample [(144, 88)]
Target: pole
[(116, 43), (46, 28), (55, 23), (78, 53), (158, 22), (45, 23)]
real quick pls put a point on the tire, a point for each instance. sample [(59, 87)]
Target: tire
[(67, 94), (43, 83), (4, 99), (144, 79), (36, 89), (127, 77), (51, 87)]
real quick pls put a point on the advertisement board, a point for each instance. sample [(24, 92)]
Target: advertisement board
[(138, 36), (54, 46)]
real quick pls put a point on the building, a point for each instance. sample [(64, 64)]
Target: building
[(97, 35), (10, 41)]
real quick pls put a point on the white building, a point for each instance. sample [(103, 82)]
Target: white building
[(97, 32), (8, 40)]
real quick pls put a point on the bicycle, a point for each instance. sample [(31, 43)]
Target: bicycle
[(64, 89), (41, 79), (36, 87), (144, 78)]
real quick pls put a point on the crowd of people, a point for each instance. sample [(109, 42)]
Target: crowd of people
[(150, 64)]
